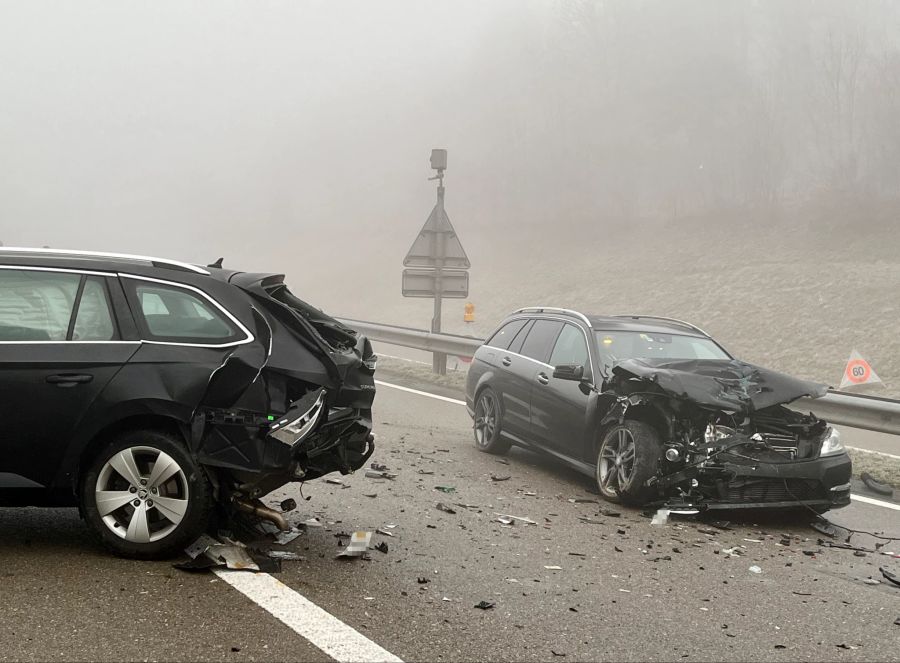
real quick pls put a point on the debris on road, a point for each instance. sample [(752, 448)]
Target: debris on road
[(890, 577), (553, 568), (446, 489), (527, 521), (359, 543), (505, 520), (661, 517), (505, 477), (875, 485), (422, 580), (755, 569), (384, 532), (379, 474), (283, 538), (484, 605), (590, 521), (609, 513), (382, 547), (378, 467), (440, 506), (333, 481), (286, 555)]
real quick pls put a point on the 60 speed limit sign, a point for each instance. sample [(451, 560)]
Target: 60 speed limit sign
[(857, 372)]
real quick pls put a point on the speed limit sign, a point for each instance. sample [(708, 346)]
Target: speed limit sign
[(857, 372)]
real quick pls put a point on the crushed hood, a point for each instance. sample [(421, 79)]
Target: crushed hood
[(722, 384)]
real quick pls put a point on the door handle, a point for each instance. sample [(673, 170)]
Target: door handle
[(506, 361), (542, 378), (69, 380)]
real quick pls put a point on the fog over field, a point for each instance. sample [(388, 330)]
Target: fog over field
[(732, 163)]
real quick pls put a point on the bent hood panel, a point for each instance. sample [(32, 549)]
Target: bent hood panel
[(722, 384)]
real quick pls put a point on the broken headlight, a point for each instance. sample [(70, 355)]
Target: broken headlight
[(293, 428), (832, 445)]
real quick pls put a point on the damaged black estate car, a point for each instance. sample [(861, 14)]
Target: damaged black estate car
[(655, 410), (156, 394)]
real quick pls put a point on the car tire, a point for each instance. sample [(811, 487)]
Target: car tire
[(627, 457), (487, 423), (144, 495)]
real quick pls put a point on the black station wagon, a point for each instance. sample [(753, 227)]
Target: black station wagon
[(656, 410), (153, 394)]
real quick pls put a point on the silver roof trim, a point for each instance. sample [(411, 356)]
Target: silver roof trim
[(660, 317), (551, 309), (97, 254)]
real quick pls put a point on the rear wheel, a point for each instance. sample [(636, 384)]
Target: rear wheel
[(487, 424), (628, 456), (144, 495)]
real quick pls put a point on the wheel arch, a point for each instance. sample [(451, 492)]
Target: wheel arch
[(163, 422)]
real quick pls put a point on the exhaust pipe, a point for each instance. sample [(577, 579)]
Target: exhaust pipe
[(260, 510)]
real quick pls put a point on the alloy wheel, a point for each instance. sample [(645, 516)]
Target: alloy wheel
[(615, 466), (141, 494), (485, 419)]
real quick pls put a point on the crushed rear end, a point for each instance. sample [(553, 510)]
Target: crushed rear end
[(293, 405)]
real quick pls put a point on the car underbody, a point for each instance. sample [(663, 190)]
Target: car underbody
[(728, 441)]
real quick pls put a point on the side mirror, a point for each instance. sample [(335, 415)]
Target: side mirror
[(574, 372)]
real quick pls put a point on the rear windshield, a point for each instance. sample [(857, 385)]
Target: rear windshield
[(615, 346)]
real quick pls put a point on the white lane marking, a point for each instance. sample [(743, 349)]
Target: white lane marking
[(872, 500), (870, 451), (420, 393), (325, 631), (858, 498)]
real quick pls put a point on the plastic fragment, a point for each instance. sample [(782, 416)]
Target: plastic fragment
[(755, 569), (446, 489), (359, 543), (661, 517), (440, 506), (484, 605), (505, 477)]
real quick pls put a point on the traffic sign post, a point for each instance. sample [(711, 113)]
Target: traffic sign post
[(439, 258)]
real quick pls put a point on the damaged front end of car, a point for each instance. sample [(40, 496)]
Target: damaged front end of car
[(293, 405), (728, 441)]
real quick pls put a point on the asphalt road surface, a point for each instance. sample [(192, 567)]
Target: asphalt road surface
[(624, 589)]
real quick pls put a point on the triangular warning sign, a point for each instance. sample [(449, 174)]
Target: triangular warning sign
[(858, 371), (437, 237)]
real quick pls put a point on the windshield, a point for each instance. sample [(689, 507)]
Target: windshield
[(615, 346)]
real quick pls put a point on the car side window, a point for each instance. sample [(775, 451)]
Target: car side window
[(540, 339), (170, 313), (93, 319), (571, 348), (516, 345), (505, 335), (36, 305)]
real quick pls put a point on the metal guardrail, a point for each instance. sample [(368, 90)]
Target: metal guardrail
[(419, 339), (867, 412)]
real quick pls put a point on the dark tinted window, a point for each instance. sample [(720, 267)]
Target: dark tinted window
[(506, 334), (516, 345), (540, 339), (571, 348), (171, 313)]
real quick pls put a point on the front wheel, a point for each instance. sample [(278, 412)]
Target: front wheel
[(145, 497), (487, 424), (628, 456)]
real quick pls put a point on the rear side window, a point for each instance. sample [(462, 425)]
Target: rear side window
[(540, 339), (170, 313), (506, 334), (93, 319), (36, 305)]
